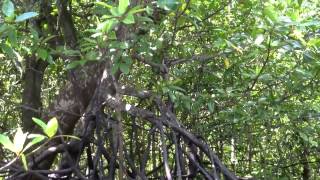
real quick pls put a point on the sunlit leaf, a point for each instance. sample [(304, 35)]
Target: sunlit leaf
[(7, 143), (123, 5), (107, 25), (24, 162), (103, 4), (36, 138), (19, 140), (271, 13), (52, 127), (26, 16), (40, 123), (115, 11)]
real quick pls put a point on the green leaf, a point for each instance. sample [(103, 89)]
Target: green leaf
[(19, 140), (7, 143), (48, 38), (50, 60), (137, 9), (270, 12), (129, 19), (40, 123), (8, 8), (168, 4), (115, 11), (124, 67), (52, 127), (314, 42), (36, 138), (304, 136), (144, 19), (103, 4), (114, 68), (42, 54), (26, 16), (12, 36), (4, 28), (24, 162), (106, 26), (123, 5), (8, 50), (210, 107), (149, 10)]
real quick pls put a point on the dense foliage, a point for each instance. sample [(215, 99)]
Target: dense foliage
[(160, 89)]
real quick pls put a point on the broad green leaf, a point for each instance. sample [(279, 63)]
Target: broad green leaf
[(19, 140), (40, 123), (42, 54), (123, 5), (24, 162), (7, 143), (107, 25), (52, 127), (124, 68), (36, 138), (115, 12), (168, 4), (32, 136), (26, 16), (8, 8), (129, 19), (12, 36)]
